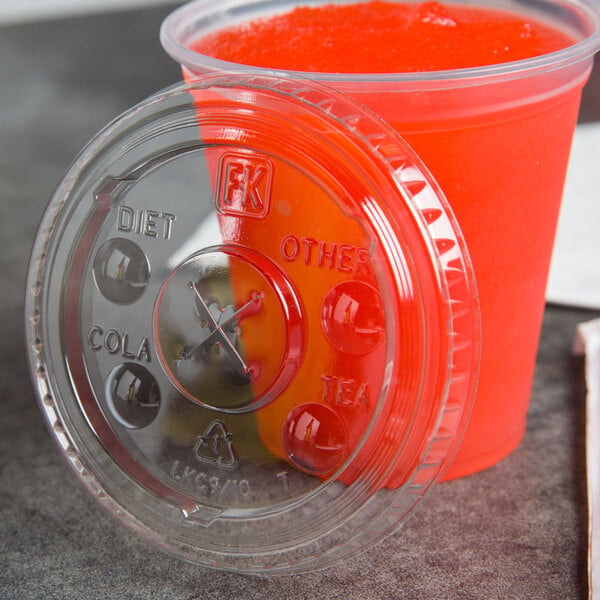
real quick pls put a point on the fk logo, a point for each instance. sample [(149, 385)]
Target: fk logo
[(244, 185)]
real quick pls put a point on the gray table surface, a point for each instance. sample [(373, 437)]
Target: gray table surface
[(517, 530)]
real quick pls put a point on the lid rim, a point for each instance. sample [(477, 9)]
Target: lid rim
[(74, 192)]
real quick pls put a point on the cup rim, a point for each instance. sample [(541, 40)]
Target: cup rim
[(177, 24)]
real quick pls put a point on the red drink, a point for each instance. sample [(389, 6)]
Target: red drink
[(496, 142), (383, 37)]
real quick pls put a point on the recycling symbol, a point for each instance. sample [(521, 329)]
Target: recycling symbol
[(215, 447)]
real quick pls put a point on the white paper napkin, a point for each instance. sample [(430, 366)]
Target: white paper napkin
[(587, 341), (575, 272)]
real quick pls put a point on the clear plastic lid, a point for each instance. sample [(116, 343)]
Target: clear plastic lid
[(253, 324)]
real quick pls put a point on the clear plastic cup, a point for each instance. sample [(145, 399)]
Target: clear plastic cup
[(497, 141)]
